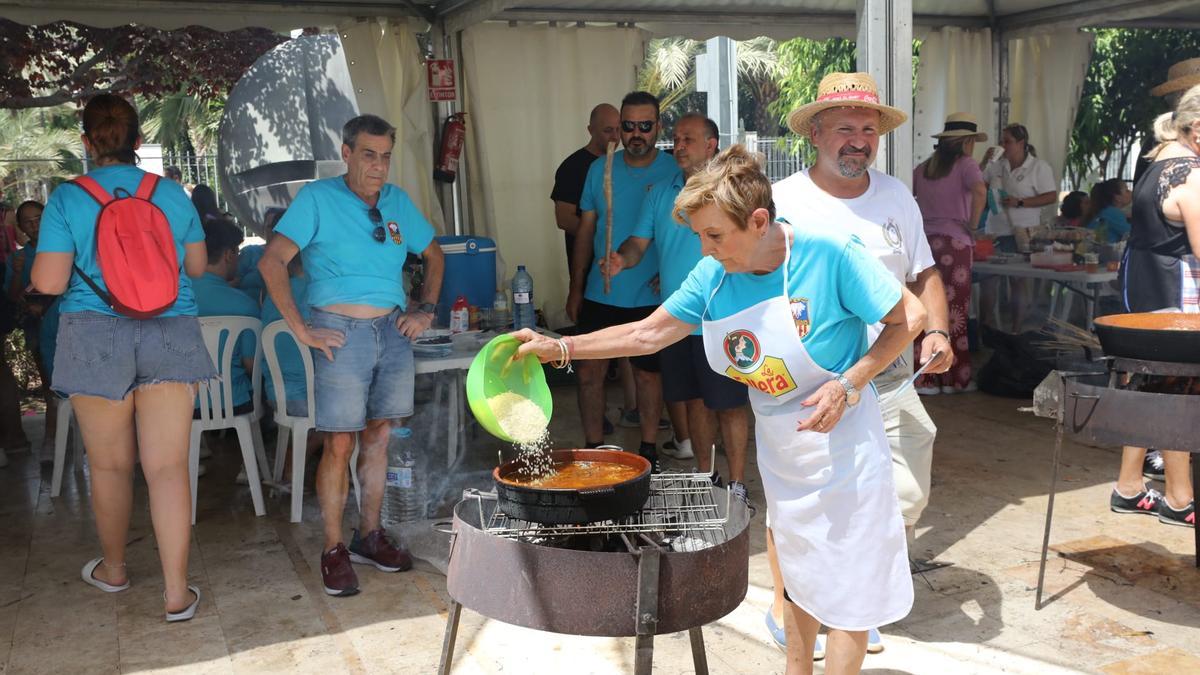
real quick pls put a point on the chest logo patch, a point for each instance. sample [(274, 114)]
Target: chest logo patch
[(768, 374), (800, 316), (394, 229), (891, 234)]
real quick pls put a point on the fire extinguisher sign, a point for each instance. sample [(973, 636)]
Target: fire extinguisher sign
[(441, 79)]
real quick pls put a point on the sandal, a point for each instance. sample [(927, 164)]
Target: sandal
[(187, 612), (88, 576)]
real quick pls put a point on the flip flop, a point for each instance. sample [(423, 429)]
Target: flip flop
[(187, 612), (87, 574)]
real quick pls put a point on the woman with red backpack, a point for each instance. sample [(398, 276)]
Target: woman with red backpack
[(120, 245)]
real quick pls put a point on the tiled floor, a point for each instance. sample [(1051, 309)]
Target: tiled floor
[(1126, 596)]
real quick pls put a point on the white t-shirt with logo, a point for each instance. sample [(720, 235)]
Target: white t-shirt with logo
[(1034, 177), (885, 217)]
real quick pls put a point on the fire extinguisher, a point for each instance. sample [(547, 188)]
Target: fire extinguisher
[(453, 132)]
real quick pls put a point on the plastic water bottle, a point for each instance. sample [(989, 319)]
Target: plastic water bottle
[(404, 491), (522, 290), (500, 318)]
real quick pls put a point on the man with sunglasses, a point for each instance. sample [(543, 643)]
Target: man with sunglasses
[(634, 293), (353, 233)]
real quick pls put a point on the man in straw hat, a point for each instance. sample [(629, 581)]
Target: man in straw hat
[(845, 124)]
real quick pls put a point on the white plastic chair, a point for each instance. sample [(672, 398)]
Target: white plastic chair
[(216, 403), (62, 429), (299, 427)]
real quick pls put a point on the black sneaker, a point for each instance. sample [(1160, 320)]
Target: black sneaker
[(1185, 517), (650, 452), (1152, 466), (717, 481), (1145, 502), (739, 491)]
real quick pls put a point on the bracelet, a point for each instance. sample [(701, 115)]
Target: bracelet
[(938, 331), (564, 359)]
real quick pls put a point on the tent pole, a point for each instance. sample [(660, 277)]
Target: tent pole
[(885, 51)]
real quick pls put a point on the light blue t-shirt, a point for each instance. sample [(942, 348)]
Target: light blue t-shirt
[(69, 226), (678, 247), (1114, 221), (289, 357), (250, 281), (27, 253), (343, 261), (630, 185), (215, 297), (836, 289)]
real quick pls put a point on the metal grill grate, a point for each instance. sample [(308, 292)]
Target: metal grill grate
[(680, 504)]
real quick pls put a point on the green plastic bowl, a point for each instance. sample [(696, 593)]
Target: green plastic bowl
[(494, 372)]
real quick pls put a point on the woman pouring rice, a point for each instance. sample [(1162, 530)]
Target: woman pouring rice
[(784, 308)]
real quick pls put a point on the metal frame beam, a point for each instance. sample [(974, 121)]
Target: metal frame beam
[(1088, 13), (885, 29), (716, 17), (458, 14)]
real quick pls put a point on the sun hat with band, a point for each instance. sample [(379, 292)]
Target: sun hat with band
[(846, 90), (961, 124), (1181, 76)]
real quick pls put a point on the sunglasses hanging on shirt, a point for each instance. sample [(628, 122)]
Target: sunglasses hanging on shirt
[(643, 127), (376, 217)]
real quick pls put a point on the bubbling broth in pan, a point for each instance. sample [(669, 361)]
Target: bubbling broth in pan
[(576, 475)]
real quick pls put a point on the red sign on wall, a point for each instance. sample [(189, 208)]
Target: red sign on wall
[(441, 79)]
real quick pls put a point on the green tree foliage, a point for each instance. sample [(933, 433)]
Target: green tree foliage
[(802, 64), (669, 72), (1116, 110), (37, 148)]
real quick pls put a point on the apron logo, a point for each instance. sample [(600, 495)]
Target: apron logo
[(395, 230), (800, 316), (891, 234), (767, 374), (743, 351)]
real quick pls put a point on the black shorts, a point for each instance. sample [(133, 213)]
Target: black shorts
[(687, 375), (594, 316)]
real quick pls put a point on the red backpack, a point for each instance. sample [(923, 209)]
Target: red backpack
[(135, 250)]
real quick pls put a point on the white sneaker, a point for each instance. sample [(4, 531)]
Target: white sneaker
[(928, 391), (678, 449)]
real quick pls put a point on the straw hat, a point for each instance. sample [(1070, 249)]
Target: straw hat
[(1180, 76), (846, 90), (961, 124)]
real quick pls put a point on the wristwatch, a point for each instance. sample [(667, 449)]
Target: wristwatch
[(1021, 203), (427, 308), (852, 393)]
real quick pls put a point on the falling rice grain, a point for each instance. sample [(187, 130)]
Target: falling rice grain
[(525, 422)]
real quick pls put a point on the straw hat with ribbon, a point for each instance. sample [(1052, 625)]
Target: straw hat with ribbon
[(1181, 76), (961, 124), (846, 90)]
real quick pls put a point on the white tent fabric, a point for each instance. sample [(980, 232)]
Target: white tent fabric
[(389, 80), (1047, 73), (954, 75), (528, 93)]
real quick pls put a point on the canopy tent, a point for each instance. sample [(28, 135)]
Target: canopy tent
[(521, 81)]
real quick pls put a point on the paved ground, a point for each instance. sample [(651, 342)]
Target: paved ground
[(1126, 597)]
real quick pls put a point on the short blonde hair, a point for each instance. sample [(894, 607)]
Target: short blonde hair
[(1171, 126), (733, 181)]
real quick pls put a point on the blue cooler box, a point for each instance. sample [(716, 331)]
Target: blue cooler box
[(470, 272)]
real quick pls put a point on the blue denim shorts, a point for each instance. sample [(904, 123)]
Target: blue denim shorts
[(110, 356), (369, 378)]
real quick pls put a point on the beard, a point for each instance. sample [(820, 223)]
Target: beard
[(638, 149), (852, 163)]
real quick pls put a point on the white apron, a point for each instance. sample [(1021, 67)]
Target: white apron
[(830, 498)]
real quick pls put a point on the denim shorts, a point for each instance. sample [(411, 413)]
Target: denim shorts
[(110, 356), (370, 376)]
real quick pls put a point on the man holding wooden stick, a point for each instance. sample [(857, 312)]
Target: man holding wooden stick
[(596, 301)]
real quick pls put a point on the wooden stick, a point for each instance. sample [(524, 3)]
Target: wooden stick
[(608, 202)]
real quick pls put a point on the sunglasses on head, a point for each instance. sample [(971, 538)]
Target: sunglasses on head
[(643, 127), (376, 217)]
